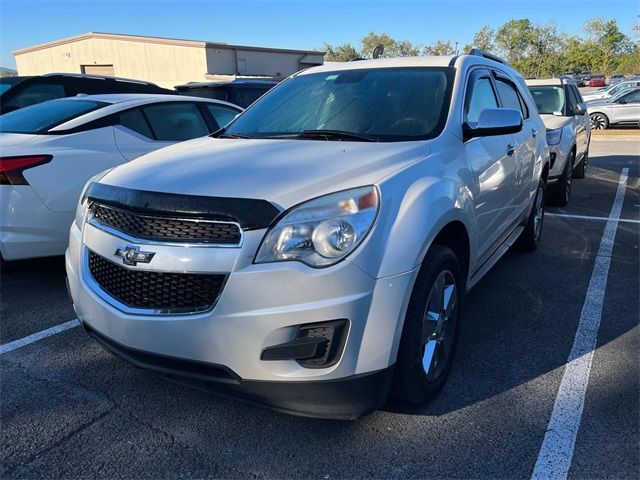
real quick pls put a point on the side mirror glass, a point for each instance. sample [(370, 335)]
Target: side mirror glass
[(494, 121), (581, 109)]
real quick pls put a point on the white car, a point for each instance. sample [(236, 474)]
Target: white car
[(316, 253), (50, 150), (568, 133), (610, 91)]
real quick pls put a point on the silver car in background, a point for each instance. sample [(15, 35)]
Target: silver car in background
[(568, 133), (623, 109), (610, 91)]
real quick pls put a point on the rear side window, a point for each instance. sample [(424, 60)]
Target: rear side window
[(508, 94), (176, 122), (44, 116), (134, 120), (222, 115), (480, 96), (35, 94)]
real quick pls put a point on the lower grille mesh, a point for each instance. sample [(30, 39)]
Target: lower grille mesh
[(156, 290)]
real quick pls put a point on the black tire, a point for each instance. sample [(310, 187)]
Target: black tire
[(562, 189), (532, 234), (599, 121), (411, 383), (581, 169)]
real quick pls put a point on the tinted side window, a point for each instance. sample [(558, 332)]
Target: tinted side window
[(480, 96), (222, 115), (572, 101), (633, 97), (508, 94), (134, 120), (175, 122), (35, 94)]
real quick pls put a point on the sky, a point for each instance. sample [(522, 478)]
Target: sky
[(302, 24)]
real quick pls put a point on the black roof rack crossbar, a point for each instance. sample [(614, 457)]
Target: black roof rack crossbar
[(481, 53)]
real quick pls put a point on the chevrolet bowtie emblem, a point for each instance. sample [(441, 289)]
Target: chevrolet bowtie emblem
[(133, 255)]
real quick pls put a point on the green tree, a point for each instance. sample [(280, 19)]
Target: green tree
[(441, 47), (606, 36), (392, 47), (515, 39), (340, 53), (484, 39)]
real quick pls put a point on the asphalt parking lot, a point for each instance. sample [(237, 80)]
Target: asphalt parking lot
[(69, 409)]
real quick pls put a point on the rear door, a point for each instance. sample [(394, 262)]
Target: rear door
[(524, 142), (144, 129), (629, 111), (494, 170)]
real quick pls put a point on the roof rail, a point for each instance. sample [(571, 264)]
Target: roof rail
[(99, 77), (481, 53)]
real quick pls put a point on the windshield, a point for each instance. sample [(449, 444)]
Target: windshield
[(549, 99), (43, 116), (383, 104)]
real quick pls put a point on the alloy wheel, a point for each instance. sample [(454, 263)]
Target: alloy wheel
[(598, 122), (438, 325)]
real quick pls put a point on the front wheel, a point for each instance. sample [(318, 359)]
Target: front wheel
[(430, 331), (581, 169), (599, 121), (562, 191), (532, 234)]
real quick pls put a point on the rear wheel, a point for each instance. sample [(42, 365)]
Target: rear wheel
[(599, 121), (532, 234), (430, 331), (562, 191)]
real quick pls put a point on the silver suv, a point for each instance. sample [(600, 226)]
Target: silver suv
[(568, 133), (315, 254)]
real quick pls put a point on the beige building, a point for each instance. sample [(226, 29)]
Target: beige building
[(165, 61)]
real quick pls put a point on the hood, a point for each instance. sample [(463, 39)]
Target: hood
[(12, 139), (552, 122), (284, 172)]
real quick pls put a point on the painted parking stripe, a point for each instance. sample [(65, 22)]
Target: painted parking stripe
[(21, 342), (589, 217), (556, 452)]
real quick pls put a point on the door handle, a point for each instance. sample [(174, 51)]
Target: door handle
[(534, 132), (511, 149)]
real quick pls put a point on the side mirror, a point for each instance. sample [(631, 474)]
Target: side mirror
[(581, 109), (494, 121)]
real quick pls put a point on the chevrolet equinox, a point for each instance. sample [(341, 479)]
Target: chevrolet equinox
[(314, 255)]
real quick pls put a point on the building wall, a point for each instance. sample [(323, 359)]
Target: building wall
[(232, 60), (164, 64)]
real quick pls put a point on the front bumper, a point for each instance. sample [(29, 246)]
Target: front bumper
[(260, 306)]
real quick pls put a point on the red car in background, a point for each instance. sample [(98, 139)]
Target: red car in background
[(597, 81)]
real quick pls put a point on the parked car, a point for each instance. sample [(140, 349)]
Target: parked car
[(326, 237), (610, 91), (622, 109), (51, 149), (616, 79), (568, 133), (597, 81), (239, 92), (18, 92)]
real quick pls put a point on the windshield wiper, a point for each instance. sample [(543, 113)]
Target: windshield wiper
[(327, 135), (337, 134)]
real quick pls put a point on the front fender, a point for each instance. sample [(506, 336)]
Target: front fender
[(407, 225)]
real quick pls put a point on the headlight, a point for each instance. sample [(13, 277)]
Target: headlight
[(82, 208), (554, 136), (323, 231)]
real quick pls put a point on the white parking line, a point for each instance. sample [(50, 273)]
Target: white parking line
[(21, 342), (589, 217), (556, 452)]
